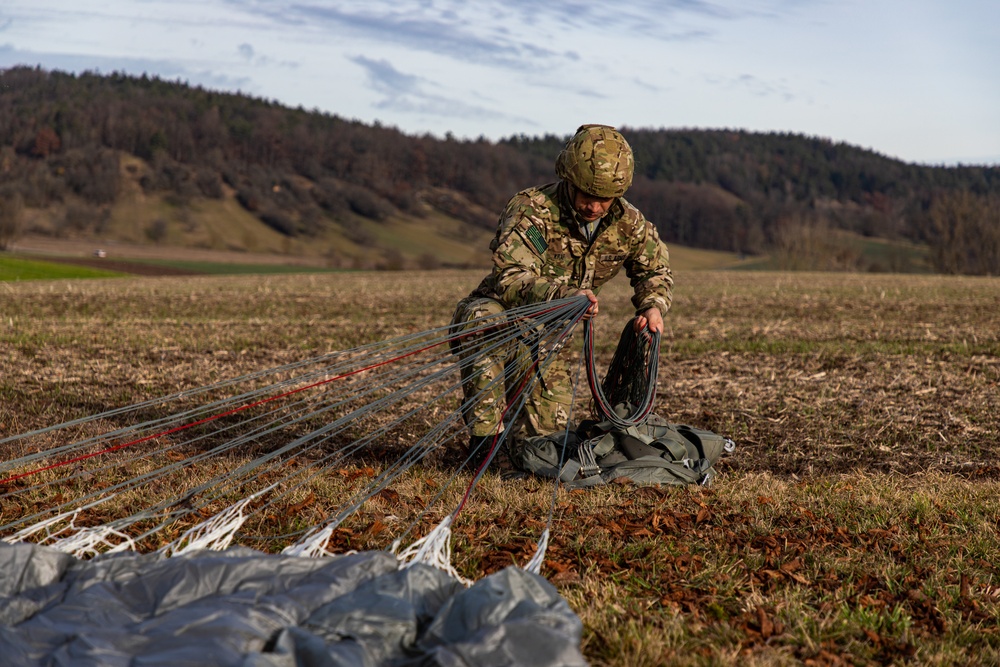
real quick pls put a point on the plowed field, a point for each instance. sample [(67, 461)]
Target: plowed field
[(856, 522)]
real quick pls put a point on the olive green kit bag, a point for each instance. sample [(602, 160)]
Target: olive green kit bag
[(653, 452)]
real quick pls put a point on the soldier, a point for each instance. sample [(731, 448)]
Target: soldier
[(553, 241)]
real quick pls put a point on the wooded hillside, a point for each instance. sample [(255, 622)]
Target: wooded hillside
[(75, 149)]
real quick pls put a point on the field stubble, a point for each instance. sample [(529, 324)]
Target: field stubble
[(855, 523)]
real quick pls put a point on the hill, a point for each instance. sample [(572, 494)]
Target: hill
[(147, 161)]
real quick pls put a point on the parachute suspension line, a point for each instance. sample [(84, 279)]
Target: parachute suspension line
[(313, 545), (135, 482), (337, 426), (46, 527), (86, 541), (215, 533), (524, 389), (435, 547), (230, 445), (535, 564), (82, 543), (211, 418), (171, 447), (631, 379), (314, 540), (357, 445), (184, 418), (162, 401), (319, 393)]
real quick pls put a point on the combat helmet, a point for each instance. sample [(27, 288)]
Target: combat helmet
[(597, 160)]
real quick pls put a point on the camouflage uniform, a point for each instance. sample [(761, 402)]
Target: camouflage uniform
[(540, 253)]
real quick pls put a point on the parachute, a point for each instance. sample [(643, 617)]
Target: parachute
[(243, 607), (163, 582)]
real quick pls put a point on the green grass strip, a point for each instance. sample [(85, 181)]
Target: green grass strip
[(12, 269)]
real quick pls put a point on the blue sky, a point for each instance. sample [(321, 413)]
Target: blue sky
[(918, 80)]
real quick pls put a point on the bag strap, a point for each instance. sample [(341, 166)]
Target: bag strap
[(596, 480), (690, 475), (569, 471), (603, 445)]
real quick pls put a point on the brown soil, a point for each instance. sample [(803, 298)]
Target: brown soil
[(119, 265)]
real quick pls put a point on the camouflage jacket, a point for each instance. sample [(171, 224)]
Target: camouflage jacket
[(540, 254)]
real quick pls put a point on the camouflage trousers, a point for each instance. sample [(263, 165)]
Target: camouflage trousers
[(493, 376)]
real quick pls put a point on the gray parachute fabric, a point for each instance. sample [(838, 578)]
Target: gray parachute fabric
[(242, 607), (653, 452)]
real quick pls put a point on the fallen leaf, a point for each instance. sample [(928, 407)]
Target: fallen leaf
[(766, 626), (791, 566), (298, 507), (389, 495), (557, 566)]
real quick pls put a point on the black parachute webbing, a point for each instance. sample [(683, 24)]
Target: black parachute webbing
[(631, 377), (326, 387)]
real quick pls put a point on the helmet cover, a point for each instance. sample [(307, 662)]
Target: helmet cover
[(598, 161)]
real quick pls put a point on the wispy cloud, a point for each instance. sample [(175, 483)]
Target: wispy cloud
[(388, 80), (425, 28), (754, 85), (510, 33), (408, 93), (659, 20)]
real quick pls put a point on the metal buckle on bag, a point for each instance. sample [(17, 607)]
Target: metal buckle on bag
[(588, 463)]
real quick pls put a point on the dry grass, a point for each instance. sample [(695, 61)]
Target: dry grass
[(856, 522)]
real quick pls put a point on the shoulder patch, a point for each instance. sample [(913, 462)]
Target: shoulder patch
[(536, 238)]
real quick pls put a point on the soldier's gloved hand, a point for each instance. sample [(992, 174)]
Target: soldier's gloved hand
[(593, 302)]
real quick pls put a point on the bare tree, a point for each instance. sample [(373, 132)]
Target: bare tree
[(11, 217), (810, 243), (965, 233)]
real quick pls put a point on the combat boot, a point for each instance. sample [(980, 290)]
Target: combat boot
[(479, 449)]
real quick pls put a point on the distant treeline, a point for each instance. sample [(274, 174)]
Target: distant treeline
[(62, 138)]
